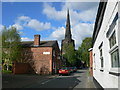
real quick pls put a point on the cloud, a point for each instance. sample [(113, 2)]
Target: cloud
[(80, 31), (82, 6), (24, 18), (58, 34), (37, 25), (82, 17), (26, 39), (52, 13), (17, 26), (25, 21), (1, 27), (79, 11)]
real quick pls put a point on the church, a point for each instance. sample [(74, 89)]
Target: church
[(68, 36)]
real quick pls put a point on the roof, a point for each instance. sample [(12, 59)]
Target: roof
[(42, 43), (99, 19)]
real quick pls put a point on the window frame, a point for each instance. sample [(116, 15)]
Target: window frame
[(117, 58), (114, 47), (101, 57), (113, 33), (113, 70)]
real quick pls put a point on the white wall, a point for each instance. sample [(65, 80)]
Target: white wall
[(119, 39), (105, 79)]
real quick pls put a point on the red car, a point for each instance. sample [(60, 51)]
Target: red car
[(64, 70)]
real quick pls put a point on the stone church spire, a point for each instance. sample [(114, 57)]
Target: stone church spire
[(68, 36), (68, 29)]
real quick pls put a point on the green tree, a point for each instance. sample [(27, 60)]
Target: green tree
[(83, 50), (78, 59), (70, 55), (11, 46)]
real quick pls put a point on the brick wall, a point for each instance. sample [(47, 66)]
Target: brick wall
[(36, 40), (40, 58), (22, 68), (56, 58), (91, 63)]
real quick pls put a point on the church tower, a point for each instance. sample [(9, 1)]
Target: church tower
[(68, 36)]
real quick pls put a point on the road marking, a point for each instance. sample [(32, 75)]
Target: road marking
[(48, 80)]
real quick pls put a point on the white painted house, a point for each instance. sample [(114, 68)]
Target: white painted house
[(106, 45)]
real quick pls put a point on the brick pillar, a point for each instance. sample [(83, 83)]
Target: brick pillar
[(91, 61), (36, 40)]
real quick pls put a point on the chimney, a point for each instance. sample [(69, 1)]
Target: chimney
[(36, 40)]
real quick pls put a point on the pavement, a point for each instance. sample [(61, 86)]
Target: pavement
[(79, 79), (87, 81)]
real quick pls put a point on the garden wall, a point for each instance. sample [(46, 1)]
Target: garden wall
[(22, 68)]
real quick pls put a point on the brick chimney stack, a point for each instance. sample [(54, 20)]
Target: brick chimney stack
[(36, 40)]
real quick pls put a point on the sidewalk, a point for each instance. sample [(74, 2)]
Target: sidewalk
[(86, 82), (22, 81), (90, 83)]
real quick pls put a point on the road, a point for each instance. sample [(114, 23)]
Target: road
[(79, 79)]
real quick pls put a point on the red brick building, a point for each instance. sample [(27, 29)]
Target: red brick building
[(43, 56)]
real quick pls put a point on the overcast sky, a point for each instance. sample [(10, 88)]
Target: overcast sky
[(49, 19)]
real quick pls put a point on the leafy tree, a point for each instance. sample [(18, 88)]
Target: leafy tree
[(70, 55), (83, 50), (11, 45), (78, 59)]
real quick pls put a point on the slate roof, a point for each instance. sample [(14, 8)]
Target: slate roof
[(99, 19), (42, 43)]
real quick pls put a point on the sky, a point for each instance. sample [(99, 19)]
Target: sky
[(49, 19)]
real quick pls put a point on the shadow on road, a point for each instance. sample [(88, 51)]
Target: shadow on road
[(59, 82), (37, 81)]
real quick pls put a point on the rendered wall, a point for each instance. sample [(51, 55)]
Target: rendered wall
[(105, 79)]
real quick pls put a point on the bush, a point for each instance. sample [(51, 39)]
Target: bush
[(4, 67), (10, 67)]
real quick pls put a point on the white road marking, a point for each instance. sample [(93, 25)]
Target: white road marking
[(48, 80)]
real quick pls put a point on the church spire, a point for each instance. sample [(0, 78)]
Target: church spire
[(68, 30)]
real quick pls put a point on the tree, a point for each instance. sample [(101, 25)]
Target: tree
[(11, 45), (83, 50), (70, 55), (78, 59)]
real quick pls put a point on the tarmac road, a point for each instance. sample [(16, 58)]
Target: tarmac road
[(79, 79)]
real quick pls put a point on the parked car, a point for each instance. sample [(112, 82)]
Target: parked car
[(64, 70), (71, 69), (74, 69)]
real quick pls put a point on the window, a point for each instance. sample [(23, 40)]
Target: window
[(101, 57), (94, 62), (114, 51), (112, 40), (113, 44), (115, 58)]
